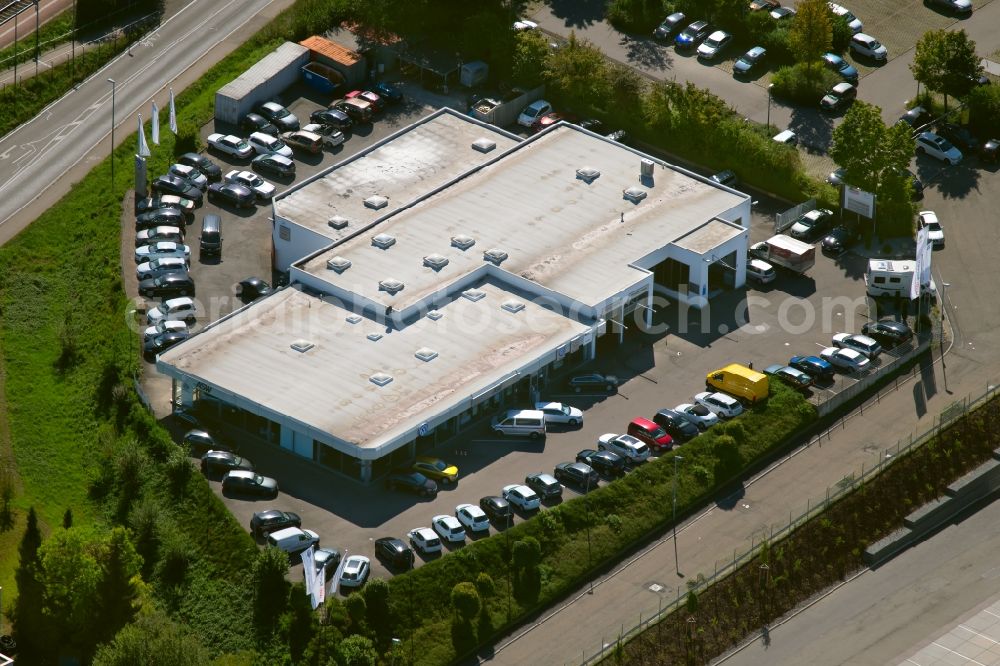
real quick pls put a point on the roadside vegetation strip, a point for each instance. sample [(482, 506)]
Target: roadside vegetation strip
[(52, 34), (824, 550)]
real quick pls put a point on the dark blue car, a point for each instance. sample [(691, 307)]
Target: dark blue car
[(813, 366), (388, 91), (841, 66), (692, 36)]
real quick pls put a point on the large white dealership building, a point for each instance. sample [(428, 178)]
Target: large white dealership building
[(446, 272)]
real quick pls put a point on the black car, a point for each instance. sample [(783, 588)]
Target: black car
[(165, 217), (332, 118), (211, 170), (163, 342), (394, 552), (727, 178), (168, 184), (959, 136), (265, 522), (916, 117), (214, 462), (545, 485), (249, 483), (813, 366), (167, 285), (693, 35), (497, 509), (274, 164), (669, 26), (608, 463), (254, 122), (327, 560), (888, 332), (149, 204), (239, 196), (953, 6), (839, 240), (582, 474), (388, 92), (990, 152), (200, 441), (678, 427), (916, 186), (284, 119), (413, 482), (594, 381), (252, 288)]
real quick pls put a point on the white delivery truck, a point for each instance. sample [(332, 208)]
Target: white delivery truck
[(887, 277), (786, 252)]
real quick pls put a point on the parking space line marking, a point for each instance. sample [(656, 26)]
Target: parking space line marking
[(972, 631), (959, 654)]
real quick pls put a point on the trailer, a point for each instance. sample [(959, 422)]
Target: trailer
[(887, 277), (786, 252)]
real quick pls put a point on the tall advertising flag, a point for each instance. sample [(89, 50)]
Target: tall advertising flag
[(173, 113), (309, 567), (143, 146), (155, 119), (922, 255)]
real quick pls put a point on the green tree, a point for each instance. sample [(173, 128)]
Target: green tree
[(691, 602), (485, 585), (728, 14), (984, 110), (357, 651), (68, 519), (70, 575), (376, 594), (270, 589), (26, 615), (118, 588), (811, 34), (527, 553), (528, 60), (152, 640), (577, 74), (946, 62), (466, 601)]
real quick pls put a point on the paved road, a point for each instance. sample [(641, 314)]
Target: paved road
[(887, 615), (26, 21), (41, 159)]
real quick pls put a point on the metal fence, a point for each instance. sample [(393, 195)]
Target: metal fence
[(813, 507), (784, 220)]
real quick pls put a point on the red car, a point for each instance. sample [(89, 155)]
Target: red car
[(550, 119), (651, 433), (372, 98)]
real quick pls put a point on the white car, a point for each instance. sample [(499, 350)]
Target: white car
[(472, 517), (859, 343), (230, 145), (533, 112), (355, 572), (449, 528), (626, 446), (561, 413), (521, 496), (714, 44), (161, 250), (189, 174), (524, 24), (935, 234), (852, 21), (938, 147), (156, 234), (156, 267), (263, 144), (722, 405), (811, 222), (760, 271), (869, 47), (786, 137), (332, 137), (175, 308), (425, 540), (699, 415), (166, 326), (248, 179), (845, 359)]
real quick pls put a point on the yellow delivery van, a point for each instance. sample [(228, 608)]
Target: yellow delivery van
[(738, 381)]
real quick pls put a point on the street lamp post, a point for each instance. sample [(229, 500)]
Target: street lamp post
[(677, 565), (114, 84), (771, 85)]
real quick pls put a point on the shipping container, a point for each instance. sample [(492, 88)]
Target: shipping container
[(324, 79), (261, 83), (350, 64)]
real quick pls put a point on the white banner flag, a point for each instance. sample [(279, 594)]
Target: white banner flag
[(143, 146), (173, 113), (309, 567), (923, 243), (335, 582), (925, 265), (155, 119), (319, 587)]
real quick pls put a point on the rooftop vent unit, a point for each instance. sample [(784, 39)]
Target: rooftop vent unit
[(380, 379), (588, 174), (338, 264), (302, 346), (435, 261), (494, 255), (376, 202), (354, 319), (463, 242), (513, 306), (390, 285), (337, 222), (383, 241), (646, 168), (374, 337), (434, 315), (425, 354), (484, 145), (634, 194), (474, 294)]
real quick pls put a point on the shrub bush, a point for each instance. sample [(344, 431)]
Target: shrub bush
[(636, 15), (803, 84)]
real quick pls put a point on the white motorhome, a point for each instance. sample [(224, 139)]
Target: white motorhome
[(886, 277)]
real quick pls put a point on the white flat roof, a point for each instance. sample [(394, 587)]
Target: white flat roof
[(402, 168), (572, 235), (328, 388)]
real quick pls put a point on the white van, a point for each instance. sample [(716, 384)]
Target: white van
[(520, 423), (292, 539)]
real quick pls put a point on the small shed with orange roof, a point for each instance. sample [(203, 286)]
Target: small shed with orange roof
[(350, 64)]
